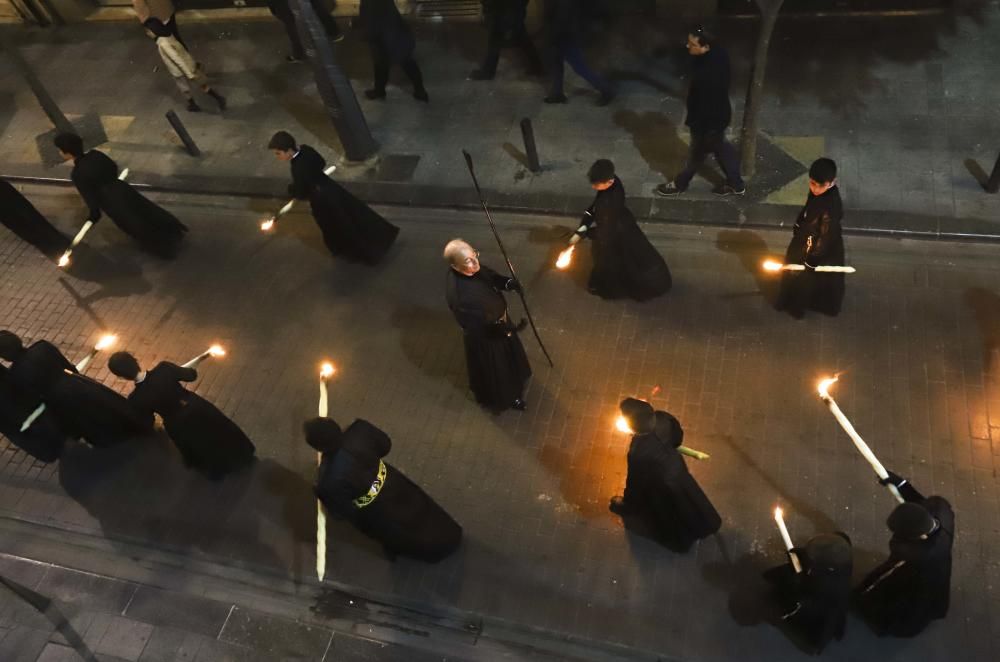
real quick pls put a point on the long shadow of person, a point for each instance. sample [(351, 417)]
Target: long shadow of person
[(50, 610), (655, 137), (751, 250), (421, 329), (119, 277), (985, 307)]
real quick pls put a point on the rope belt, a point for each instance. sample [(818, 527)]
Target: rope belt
[(373, 491)]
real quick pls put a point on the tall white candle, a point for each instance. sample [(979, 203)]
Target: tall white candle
[(787, 539), (325, 372)]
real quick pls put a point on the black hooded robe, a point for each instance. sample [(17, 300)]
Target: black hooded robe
[(87, 409), (625, 263), (349, 226), (206, 438), (96, 178), (21, 217), (497, 364), (401, 516), (44, 440), (662, 493), (911, 588), (817, 240)]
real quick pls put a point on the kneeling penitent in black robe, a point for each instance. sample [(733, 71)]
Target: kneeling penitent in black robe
[(626, 265), (815, 601), (662, 498), (911, 588), (96, 178), (349, 226), (87, 409), (497, 365), (44, 440), (817, 241), (355, 483), (18, 214), (207, 439)]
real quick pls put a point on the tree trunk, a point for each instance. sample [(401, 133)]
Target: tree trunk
[(755, 91), (334, 86)]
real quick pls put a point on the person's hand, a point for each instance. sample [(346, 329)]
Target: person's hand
[(520, 325), (575, 239), (513, 285)]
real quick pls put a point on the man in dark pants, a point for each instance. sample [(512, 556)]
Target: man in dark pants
[(505, 22), (562, 25), (708, 115), (283, 12)]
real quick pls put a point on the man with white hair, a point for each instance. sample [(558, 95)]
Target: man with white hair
[(498, 367)]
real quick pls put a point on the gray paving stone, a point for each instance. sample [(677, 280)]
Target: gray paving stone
[(92, 591), (22, 644), (275, 637), (124, 638), (175, 610)]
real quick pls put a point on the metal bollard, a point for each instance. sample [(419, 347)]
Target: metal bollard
[(993, 184), (530, 150), (183, 134)]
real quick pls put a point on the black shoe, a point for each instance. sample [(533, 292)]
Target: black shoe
[(219, 99), (339, 38), (295, 59), (479, 74), (667, 190), (605, 98), (519, 405), (726, 189), (555, 98), (421, 95), (193, 107), (375, 94)]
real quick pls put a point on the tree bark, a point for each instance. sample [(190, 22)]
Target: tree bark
[(755, 91)]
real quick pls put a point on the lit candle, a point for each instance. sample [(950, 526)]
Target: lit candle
[(565, 258), (772, 266), (621, 424), (215, 350), (268, 225), (107, 340), (787, 539), (325, 372)]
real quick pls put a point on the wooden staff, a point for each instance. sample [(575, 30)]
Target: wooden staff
[(64, 260), (325, 372), (268, 225)]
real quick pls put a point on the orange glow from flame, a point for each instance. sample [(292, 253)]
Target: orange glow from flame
[(267, 225), (107, 340), (216, 350), (824, 386), (771, 265), (326, 370), (565, 257), (621, 424)]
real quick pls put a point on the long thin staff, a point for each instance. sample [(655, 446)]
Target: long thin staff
[(325, 372), (64, 260), (268, 225), (510, 266)]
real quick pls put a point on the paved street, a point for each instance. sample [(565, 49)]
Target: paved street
[(916, 344)]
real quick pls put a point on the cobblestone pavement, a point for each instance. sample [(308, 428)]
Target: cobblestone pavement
[(916, 344)]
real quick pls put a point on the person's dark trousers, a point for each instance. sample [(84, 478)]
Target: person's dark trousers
[(381, 62), (714, 142), (519, 37), (283, 13), (288, 20), (329, 23), (573, 56), (172, 26)]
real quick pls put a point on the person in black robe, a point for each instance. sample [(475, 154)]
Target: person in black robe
[(44, 440), (355, 483), (390, 42), (662, 500), (95, 176), (498, 367), (911, 588), (206, 438), (349, 226), (815, 601), (817, 240), (505, 25), (625, 263), (21, 218)]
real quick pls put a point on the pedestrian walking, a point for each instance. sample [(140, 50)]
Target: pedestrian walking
[(562, 29), (505, 27), (21, 218), (911, 588), (626, 265), (355, 482), (95, 176), (497, 364), (349, 226), (281, 10), (814, 599), (708, 115), (390, 42), (181, 65), (207, 439), (817, 240), (662, 500), (162, 10)]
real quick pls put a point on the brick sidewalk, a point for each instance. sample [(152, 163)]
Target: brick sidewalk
[(904, 105), (916, 341)]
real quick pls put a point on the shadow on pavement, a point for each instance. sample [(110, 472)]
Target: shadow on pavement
[(117, 277), (985, 306), (655, 137), (751, 250), (420, 328)]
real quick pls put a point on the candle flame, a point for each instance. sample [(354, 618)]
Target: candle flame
[(107, 340), (565, 257), (267, 225), (778, 513), (771, 265), (64, 260), (326, 370), (824, 386), (622, 425), (216, 350)]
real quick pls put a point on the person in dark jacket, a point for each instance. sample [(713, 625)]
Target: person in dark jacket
[(817, 240), (911, 588), (44, 440), (355, 483), (21, 217), (281, 10), (96, 178), (390, 42), (505, 26), (207, 439), (349, 226), (625, 263), (661, 498), (497, 365), (708, 115), (562, 30), (815, 601)]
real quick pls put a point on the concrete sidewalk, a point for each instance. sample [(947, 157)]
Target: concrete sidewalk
[(905, 106)]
